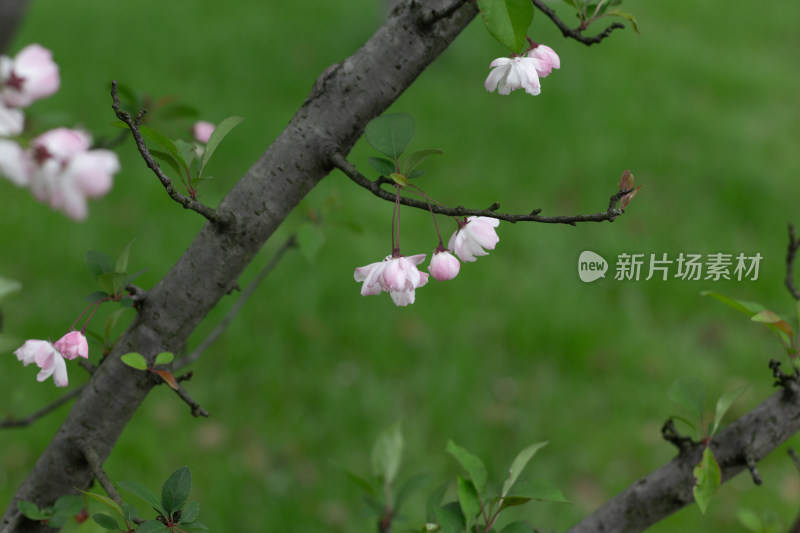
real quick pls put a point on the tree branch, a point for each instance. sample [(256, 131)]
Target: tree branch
[(134, 124), (197, 409), (791, 252), (30, 419), (11, 12), (339, 161), (738, 447), (334, 114), (576, 33)]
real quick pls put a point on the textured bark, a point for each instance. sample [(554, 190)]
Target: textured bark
[(11, 12), (345, 97), (668, 489)]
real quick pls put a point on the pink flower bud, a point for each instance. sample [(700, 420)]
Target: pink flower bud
[(202, 131), (73, 345), (31, 75), (443, 265)]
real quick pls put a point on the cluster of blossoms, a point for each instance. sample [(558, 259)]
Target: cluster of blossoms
[(58, 166), (522, 72), (50, 357), (399, 276)]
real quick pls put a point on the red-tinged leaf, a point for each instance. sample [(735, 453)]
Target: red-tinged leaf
[(625, 200), (167, 376), (768, 317)]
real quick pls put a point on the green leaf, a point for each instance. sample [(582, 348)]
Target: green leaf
[(96, 295), (434, 500), (627, 16), (167, 145), (164, 358), (408, 487), (129, 512), (105, 521), (471, 463), (151, 526), (98, 263), (450, 518), (724, 403), (399, 179), (135, 360), (105, 500), (776, 323), (174, 111), (143, 492), (111, 321), (708, 478), (222, 129), (167, 158), (190, 512), (68, 504), (468, 499), (122, 259), (387, 453), (539, 490), (750, 520), (186, 151), (383, 166), (519, 463), (310, 239), (195, 526), (112, 282), (390, 134), (690, 393), (508, 21), (8, 286), (748, 308), (362, 483), (415, 158), (176, 490), (517, 527), (31, 510)]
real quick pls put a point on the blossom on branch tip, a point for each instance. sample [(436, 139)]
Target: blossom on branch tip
[(399, 276), (31, 75), (548, 59), (202, 131), (472, 236), (444, 265), (47, 358), (510, 74), (73, 345)]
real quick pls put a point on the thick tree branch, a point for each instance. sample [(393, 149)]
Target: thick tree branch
[(30, 419), (791, 253), (333, 115), (339, 161), (666, 490), (134, 124), (576, 33)]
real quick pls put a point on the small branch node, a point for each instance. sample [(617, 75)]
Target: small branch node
[(435, 15), (752, 467), (670, 434), (197, 410)]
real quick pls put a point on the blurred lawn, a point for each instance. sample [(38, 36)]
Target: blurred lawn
[(703, 107)]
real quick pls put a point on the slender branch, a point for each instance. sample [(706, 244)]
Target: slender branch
[(339, 161), (794, 244), (134, 125), (290, 242), (30, 419), (738, 447), (577, 32), (197, 410), (96, 464)]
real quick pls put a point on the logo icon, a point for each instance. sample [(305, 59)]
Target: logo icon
[(591, 266)]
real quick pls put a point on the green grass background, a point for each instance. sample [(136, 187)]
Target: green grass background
[(703, 107)]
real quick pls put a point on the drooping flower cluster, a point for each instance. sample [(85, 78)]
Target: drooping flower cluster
[(522, 72), (50, 357), (58, 166), (399, 275)]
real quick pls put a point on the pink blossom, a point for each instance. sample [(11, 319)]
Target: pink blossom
[(548, 59), (12, 121), (202, 131), (399, 276), (514, 73), (60, 169), (473, 236), (31, 75), (73, 345), (47, 358), (443, 265)]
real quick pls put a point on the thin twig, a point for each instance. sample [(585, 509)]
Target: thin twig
[(93, 459), (197, 410), (134, 125), (30, 419), (753, 468), (338, 160), (577, 32), (794, 244), (290, 242)]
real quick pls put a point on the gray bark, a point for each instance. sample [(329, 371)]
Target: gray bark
[(345, 97), (668, 489), (11, 12)]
